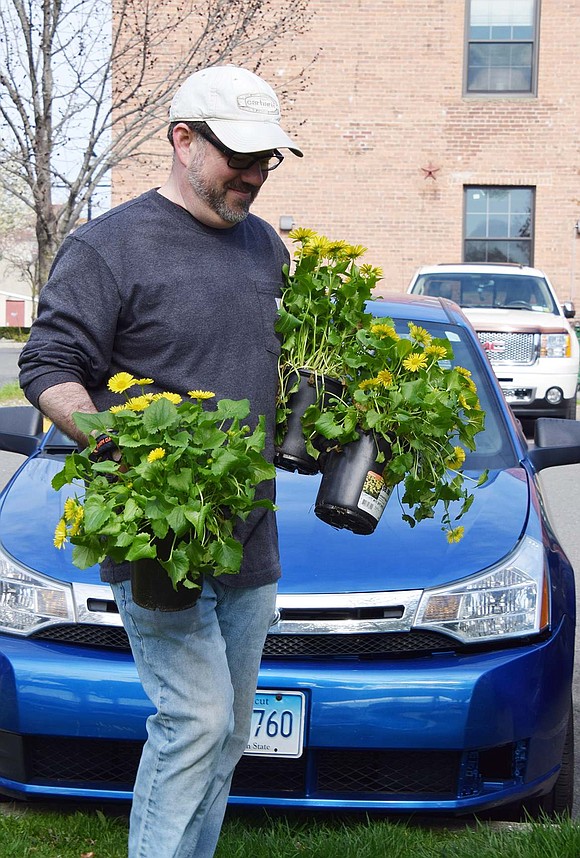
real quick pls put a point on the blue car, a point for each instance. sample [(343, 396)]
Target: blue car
[(403, 673)]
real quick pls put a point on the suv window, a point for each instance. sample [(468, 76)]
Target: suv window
[(489, 290)]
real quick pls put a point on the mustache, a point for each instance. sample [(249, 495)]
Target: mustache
[(244, 187)]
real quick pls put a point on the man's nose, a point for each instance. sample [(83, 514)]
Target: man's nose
[(254, 175)]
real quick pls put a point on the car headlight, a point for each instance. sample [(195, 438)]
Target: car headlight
[(556, 345), (507, 600), (29, 601)]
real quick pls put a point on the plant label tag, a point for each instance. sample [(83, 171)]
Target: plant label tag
[(374, 496)]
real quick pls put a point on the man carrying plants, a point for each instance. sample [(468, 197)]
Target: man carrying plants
[(179, 286)]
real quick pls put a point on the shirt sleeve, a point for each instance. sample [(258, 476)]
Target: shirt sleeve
[(73, 335)]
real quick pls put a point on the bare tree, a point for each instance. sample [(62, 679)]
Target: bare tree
[(87, 82)]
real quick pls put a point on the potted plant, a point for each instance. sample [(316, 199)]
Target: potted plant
[(410, 414), (186, 474), (322, 309)]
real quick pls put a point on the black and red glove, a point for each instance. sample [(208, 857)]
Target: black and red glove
[(105, 449)]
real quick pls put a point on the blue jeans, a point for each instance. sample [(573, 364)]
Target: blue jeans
[(199, 668)]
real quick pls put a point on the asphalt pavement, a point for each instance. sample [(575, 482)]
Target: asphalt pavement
[(9, 353)]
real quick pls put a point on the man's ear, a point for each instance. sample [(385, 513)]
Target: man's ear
[(182, 139)]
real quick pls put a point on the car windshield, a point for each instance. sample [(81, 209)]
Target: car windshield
[(500, 291), (493, 451)]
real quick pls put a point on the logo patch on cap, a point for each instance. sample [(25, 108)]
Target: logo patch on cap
[(258, 103)]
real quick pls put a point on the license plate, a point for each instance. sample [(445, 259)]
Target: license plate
[(277, 724)]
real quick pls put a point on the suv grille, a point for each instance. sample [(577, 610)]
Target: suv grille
[(505, 347)]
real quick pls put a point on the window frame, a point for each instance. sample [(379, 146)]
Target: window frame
[(484, 187), (532, 92)]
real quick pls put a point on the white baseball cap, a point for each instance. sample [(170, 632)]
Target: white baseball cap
[(241, 109)]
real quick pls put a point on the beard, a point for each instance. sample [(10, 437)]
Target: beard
[(215, 196)]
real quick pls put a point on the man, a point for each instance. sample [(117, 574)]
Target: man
[(180, 285)]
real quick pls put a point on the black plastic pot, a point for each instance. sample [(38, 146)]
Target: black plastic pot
[(153, 589), (352, 494), (291, 455)]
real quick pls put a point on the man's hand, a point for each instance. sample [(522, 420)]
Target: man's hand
[(105, 450)]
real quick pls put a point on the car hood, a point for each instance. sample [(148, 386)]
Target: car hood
[(316, 558), (513, 320)]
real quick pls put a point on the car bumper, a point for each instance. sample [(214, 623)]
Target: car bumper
[(526, 388), (447, 733)]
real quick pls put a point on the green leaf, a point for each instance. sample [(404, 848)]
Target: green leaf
[(227, 555), (141, 548), (261, 469), (132, 510), (87, 423), (327, 426), (96, 515), (161, 414), (181, 481), (176, 566), (224, 460), (124, 539), (228, 409), (177, 520), (197, 517), (84, 556)]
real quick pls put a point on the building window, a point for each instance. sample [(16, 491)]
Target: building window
[(499, 225), (502, 46)]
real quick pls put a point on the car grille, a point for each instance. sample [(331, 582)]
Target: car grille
[(103, 762), (505, 347), (279, 646)]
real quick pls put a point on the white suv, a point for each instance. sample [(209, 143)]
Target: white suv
[(522, 327)]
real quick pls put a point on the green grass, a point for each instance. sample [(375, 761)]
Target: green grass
[(39, 834), (11, 394)]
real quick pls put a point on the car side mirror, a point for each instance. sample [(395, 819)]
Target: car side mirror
[(557, 442), (21, 429), (569, 309)]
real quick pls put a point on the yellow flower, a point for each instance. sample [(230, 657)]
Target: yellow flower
[(336, 249), (143, 381), (380, 329), (464, 403), (371, 271), (385, 377), (462, 371), (120, 382), (301, 234), (157, 453), (60, 534), (114, 409), (455, 534), (369, 382), (200, 394), (70, 508), (354, 251), (318, 245), (414, 362), (438, 351), (172, 397), (78, 521), (420, 335), (457, 459), (138, 403)]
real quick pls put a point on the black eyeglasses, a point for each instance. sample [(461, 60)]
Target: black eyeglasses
[(268, 161)]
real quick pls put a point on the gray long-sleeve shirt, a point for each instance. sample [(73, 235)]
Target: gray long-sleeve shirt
[(148, 289)]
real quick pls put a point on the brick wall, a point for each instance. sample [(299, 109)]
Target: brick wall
[(384, 100)]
